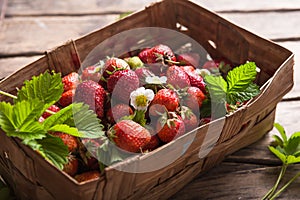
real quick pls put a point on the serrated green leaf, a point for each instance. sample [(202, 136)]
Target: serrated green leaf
[(278, 140), (292, 146), (240, 77), (296, 134), (66, 129), (244, 95), (46, 87), (20, 120), (54, 150), (278, 153), (217, 87), (87, 123), (6, 114), (292, 159), (281, 131), (60, 117)]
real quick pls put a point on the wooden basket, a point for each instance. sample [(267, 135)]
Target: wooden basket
[(32, 177)]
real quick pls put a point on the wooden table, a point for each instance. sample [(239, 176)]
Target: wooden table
[(29, 27)]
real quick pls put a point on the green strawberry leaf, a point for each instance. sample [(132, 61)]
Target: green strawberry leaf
[(278, 140), (281, 131), (296, 134), (278, 153), (292, 146), (87, 123), (53, 150), (247, 93), (239, 78), (66, 129), (20, 120), (293, 159), (46, 87), (217, 87)]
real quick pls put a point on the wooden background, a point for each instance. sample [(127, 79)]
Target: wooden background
[(30, 27)]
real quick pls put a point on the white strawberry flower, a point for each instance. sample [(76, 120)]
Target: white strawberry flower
[(156, 80), (202, 72), (141, 98)]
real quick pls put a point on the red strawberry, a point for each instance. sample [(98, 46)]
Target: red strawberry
[(164, 51), (91, 73), (70, 141), (129, 135), (66, 98), (164, 98), (118, 111), (177, 77), (92, 163), (190, 120), (52, 108), (142, 73), (189, 59), (122, 83), (188, 68), (153, 143), (93, 95), (205, 120), (218, 65), (70, 81), (170, 127), (114, 64), (87, 176), (72, 166), (194, 99), (147, 56), (197, 81)]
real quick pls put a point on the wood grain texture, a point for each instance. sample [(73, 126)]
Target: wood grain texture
[(238, 181), (73, 7), (34, 35)]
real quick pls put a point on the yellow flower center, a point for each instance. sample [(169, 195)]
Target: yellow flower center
[(141, 100)]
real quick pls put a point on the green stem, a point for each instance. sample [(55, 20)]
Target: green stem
[(139, 117), (285, 186), (7, 94), (273, 189)]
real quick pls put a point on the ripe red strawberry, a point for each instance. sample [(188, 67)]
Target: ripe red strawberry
[(93, 95), (91, 73), (188, 68), (153, 143), (170, 127), (114, 64), (118, 111), (70, 81), (218, 65), (66, 98), (189, 59), (70, 141), (194, 99), (129, 135), (52, 108), (122, 83), (92, 163), (72, 166), (158, 53), (205, 120), (177, 77), (165, 97), (190, 120), (87, 176), (147, 56), (197, 81)]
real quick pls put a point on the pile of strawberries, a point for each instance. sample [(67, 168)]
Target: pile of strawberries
[(143, 101)]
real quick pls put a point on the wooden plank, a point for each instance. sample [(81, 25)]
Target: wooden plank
[(72, 7), (10, 65), (249, 5), (78, 7), (238, 181), (3, 5), (34, 35), (271, 25), (295, 48)]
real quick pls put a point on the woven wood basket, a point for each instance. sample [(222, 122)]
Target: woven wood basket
[(32, 177)]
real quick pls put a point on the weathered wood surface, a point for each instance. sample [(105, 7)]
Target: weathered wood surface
[(32, 27)]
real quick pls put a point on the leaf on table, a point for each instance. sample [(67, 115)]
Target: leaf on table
[(278, 153), (281, 131)]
